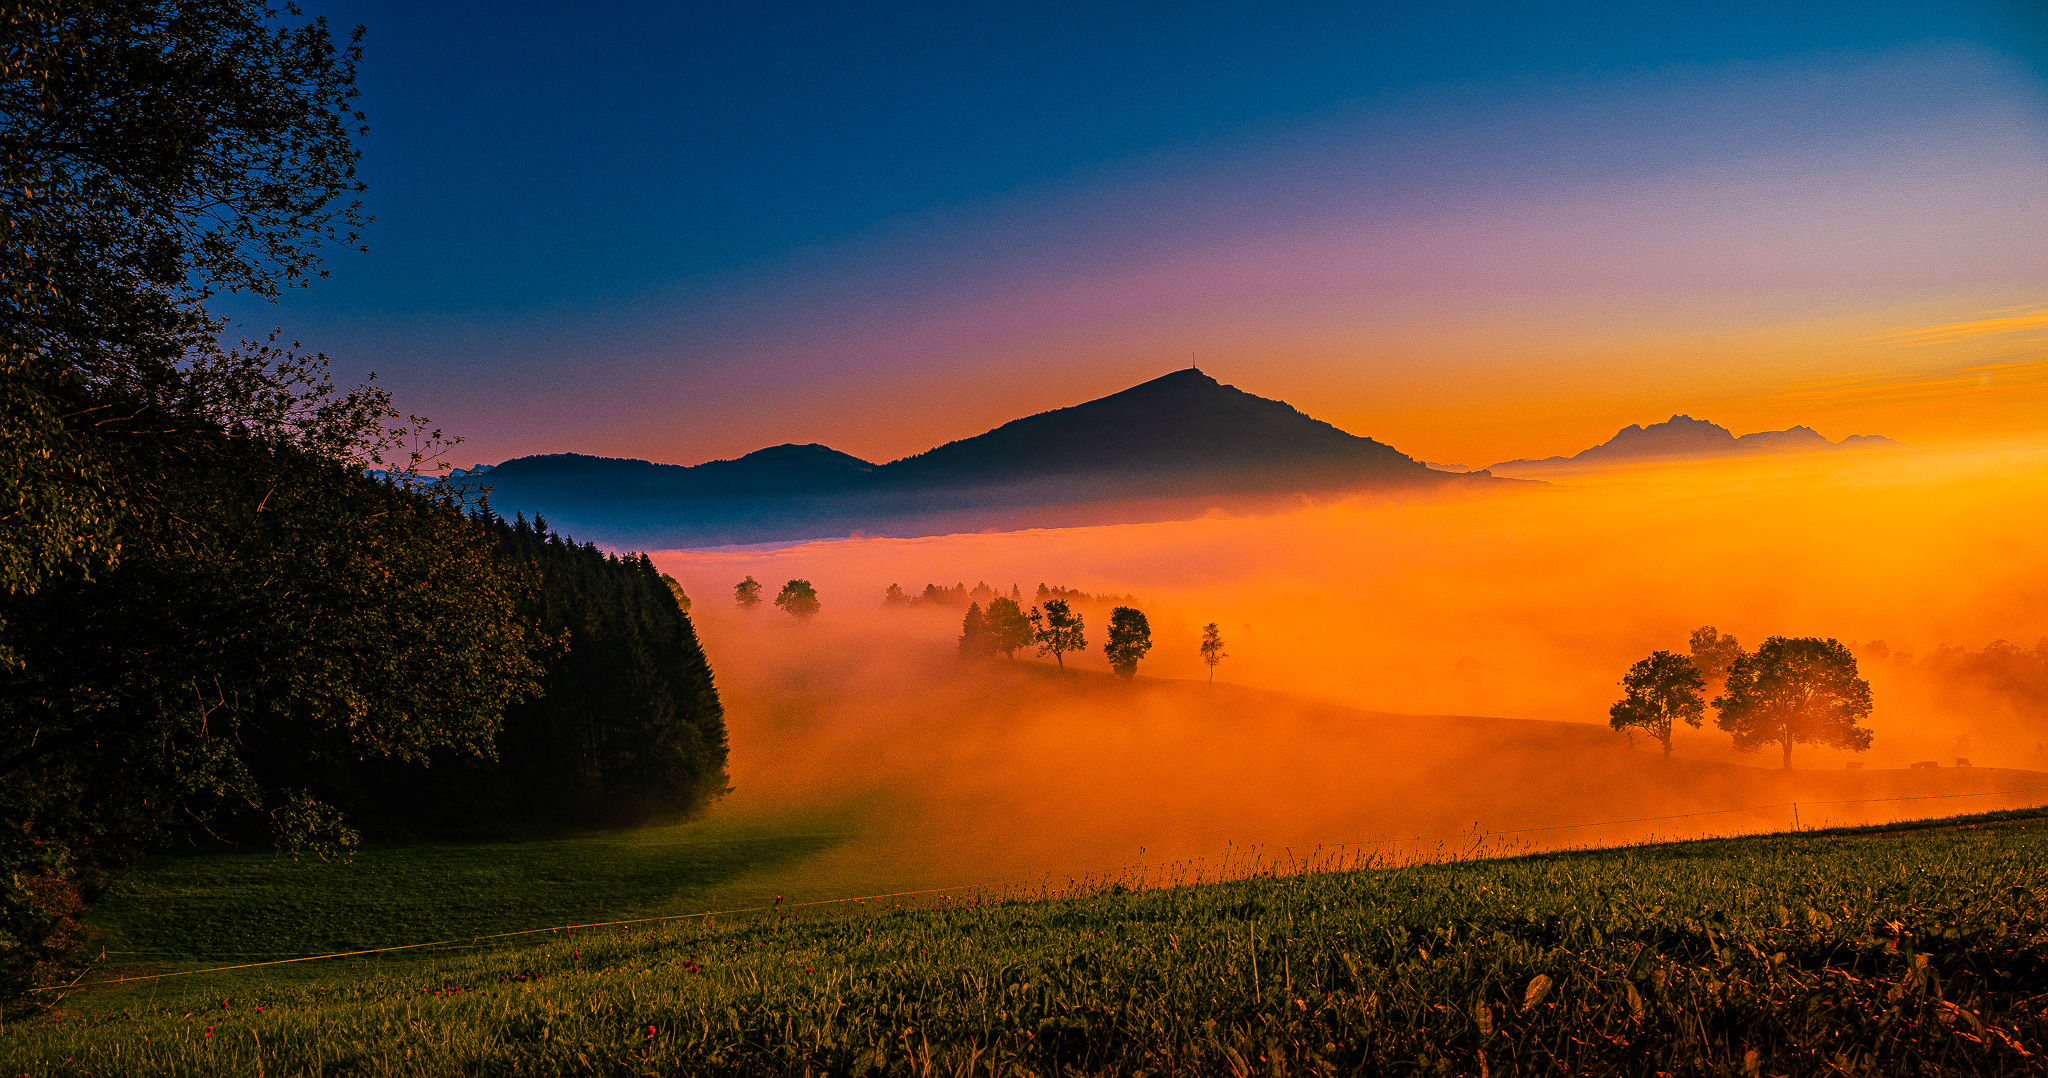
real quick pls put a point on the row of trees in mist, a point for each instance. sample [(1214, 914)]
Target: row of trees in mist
[(1790, 690), (232, 606), (1055, 628), (960, 595)]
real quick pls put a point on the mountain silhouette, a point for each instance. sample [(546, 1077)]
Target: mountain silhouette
[(1171, 447), (1683, 437)]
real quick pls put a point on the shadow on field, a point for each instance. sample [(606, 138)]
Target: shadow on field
[(227, 907)]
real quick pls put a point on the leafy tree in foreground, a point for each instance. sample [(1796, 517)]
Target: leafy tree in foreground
[(976, 641), (1658, 691), (152, 155), (1057, 630), (1212, 648), (1008, 626), (204, 600), (798, 599), (1795, 689), (747, 593), (1130, 637), (1713, 652)]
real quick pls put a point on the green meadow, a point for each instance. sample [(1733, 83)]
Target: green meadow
[(1898, 950)]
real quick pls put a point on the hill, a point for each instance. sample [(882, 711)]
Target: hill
[(1683, 437), (1909, 950), (1168, 448)]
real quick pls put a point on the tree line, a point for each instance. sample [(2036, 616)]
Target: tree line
[(1790, 690), (1055, 628), (234, 607)]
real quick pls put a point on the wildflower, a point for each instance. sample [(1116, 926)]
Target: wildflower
[(650, 1031)]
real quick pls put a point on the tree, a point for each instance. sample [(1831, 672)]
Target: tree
[(1212, 648), (1656, 692), (894, 596), (1713, 652), (1057, 630), (798, 599), (1009, 627), (206, 600), (1795, 689), (747, 593), (675, 588), (152, 155), (1130, 637), (976, 639)]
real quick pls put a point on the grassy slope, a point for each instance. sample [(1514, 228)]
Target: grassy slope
[(226, 907), (1893, 951)]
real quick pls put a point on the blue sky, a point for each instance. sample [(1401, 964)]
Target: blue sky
[(643, 180)]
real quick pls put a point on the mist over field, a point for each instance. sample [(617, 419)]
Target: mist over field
[(1503, 609)]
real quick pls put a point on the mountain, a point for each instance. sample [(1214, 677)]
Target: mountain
[(1166, 449), (1682, 437)]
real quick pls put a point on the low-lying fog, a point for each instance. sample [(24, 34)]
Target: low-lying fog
[(1523, 606)]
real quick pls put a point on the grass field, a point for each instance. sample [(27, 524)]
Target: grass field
[(218, 907), (1887, 951)]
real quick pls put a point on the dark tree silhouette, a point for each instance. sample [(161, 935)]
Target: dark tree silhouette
[(1057, 630), (675, 588), (894, 596), (1713, 652), (1130, 637), (976, 639), (1212, 647), (747, 593), (798, 599), (1009, 627), (1795, 689), (1658, 691)]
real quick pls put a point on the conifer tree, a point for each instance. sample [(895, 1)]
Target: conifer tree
[(976, 641)]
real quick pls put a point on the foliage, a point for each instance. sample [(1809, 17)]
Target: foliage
[(628, 727), (893, 596), (798, 599), (1795, 689), (1130, 637), (675, 588), (1713, 652), (151, 155), (1057, 629), (1075, 595), (977, 639), (1656, 692), (1908, 953), (276, 616), (1212, 647), (1009, 627), (747, 593)]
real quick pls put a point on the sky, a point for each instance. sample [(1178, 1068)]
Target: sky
[(1476, 232)]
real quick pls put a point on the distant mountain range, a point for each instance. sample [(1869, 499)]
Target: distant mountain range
[(1167, 449), (1682, 437)]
